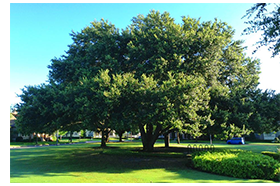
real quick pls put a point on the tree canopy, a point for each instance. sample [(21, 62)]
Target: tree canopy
[(156, 75)]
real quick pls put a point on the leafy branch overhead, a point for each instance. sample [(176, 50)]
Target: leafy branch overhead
[(266, 20)]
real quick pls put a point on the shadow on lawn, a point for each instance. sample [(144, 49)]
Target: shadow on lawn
[(61, 160), (110, 159)]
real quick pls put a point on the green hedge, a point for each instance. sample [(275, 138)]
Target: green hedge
[(274, 155), (237, 163)]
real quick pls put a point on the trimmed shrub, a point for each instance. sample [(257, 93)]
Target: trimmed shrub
[(274, 155), (237, 163)]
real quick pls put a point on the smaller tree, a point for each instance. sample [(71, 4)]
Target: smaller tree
[(122, 98), (35, 113), (265, 111), (62, 133), (95, 107), (234, 131)]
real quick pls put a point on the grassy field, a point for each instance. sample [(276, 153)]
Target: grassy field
[(119, 163), (254, 147), (40, 143), (61, 141)]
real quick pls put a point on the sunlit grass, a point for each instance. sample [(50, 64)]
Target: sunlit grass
[(40, 143), (119, 163), (61, 142), (250, 146)]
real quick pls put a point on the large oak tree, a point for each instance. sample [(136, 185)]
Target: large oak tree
[(156, 74)]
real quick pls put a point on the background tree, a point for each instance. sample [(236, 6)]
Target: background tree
[(267, 23), (230, 97), (62, 133), (277, 112), (35, 113), (234, 131), (265, 112)]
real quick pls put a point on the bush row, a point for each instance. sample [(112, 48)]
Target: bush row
[(274, 155), (237, 163)]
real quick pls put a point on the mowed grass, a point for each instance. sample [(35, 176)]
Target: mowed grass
[(41, 143), (254, 147), (119, 163)]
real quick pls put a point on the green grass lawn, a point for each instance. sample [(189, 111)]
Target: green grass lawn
[(40, 143), (119, 163), (61, 141), (254, 147)]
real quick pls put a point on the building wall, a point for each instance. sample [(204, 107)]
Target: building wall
[(269, 136)]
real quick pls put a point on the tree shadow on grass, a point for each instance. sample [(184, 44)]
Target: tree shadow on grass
[(62, 160)]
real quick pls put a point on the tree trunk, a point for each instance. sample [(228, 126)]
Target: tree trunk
[(149, 136), (56, 137), (166, 140), (104, 137), (84, 137), (36, 138), (120, 138), (120, 133), (196, 140), (70, 139), (107, 134), (148, 146), (178, 137)]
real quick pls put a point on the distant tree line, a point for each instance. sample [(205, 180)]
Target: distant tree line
[(156, 76)]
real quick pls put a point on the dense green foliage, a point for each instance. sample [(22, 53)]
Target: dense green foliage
[(265, 110), (36, 112), (238, 163), (275, 155), (156, 76)]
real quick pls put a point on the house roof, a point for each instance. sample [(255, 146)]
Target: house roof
[(15, 113), (12, 120)]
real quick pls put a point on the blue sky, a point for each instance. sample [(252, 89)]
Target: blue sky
[(40, 32)]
